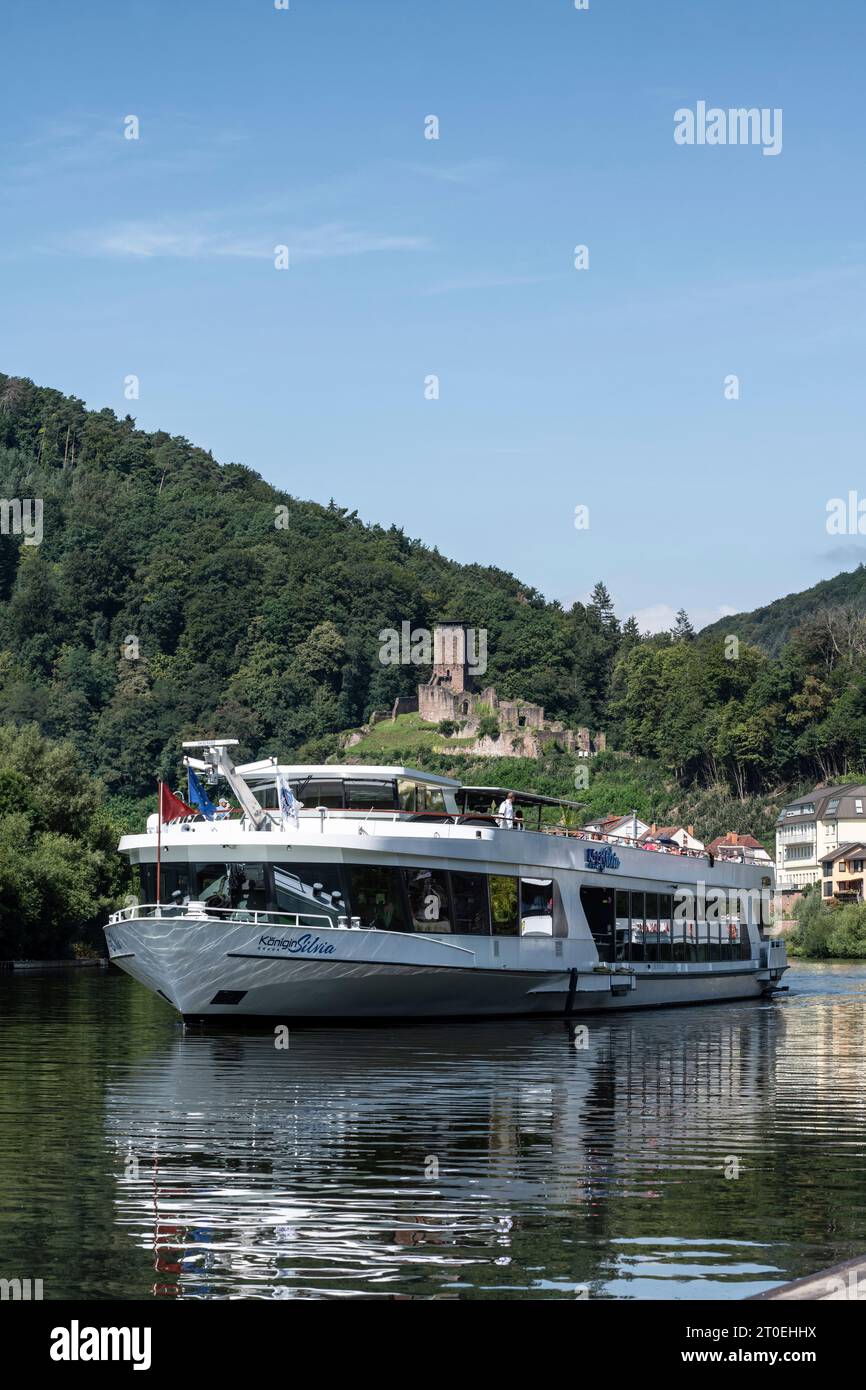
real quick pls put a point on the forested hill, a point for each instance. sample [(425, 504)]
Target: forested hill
[(773, 626), (172, 597)]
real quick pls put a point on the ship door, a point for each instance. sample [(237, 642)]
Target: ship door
[(598, 907)]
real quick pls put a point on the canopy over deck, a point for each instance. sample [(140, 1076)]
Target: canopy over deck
[(478, 799)]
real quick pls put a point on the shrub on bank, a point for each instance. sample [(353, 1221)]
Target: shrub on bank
[(826, 931), (60, 873)]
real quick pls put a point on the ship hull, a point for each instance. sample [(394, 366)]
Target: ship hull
[(209, 970)]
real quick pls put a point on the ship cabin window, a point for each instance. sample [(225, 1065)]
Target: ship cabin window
[(701, 936), (312, 891), (622, 925), (429, 900), (503, 905), (598, 906), (431, 800), (371, 796), (210, 884), (651, 928), (147, 883), (637, 926), (321, 792), (376, 896), (469, 898), (406, 795), (536, 907), (248, 887), (665, 927)]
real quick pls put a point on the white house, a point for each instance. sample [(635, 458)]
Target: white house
[(813, 827), (629, 827)]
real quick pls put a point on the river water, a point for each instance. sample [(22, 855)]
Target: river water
[(687, 1153)]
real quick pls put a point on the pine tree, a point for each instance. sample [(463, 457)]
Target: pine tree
[(682, 630)]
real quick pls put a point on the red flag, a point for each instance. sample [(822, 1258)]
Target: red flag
[(171, 807)]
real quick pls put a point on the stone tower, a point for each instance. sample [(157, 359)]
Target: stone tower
[(449, 658)]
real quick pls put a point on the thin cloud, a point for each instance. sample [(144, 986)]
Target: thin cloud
[(197, 241), (487, 282), (468, 172)]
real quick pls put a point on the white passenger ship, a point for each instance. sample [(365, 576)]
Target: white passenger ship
[(398, 894)]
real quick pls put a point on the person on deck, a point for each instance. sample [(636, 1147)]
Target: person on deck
[(506, 813)]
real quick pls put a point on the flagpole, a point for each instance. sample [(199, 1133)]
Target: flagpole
[(158, 840)]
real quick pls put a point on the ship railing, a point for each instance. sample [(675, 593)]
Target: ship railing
[(199, 911), (476, 819)]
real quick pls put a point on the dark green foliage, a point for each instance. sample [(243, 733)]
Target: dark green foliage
[(59, 869), (826, 930), (172, 597), (488, 726)]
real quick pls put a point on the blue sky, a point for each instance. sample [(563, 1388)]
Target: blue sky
[(454, 257)]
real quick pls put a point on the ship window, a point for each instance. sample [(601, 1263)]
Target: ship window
[(406, 795), (371, 796), (428, 900), (311, 891), (598, 906), (248, 890), (376, 896), (435, 801), (622, 923), (503, 905), (637, 921), (211, 884), (651, 927), (665, 940), (678, 938), (469, 893), (147, 883), (536, 907), (701, 936), (317, 792)]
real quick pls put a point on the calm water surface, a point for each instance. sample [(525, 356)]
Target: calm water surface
[(484, 1161)]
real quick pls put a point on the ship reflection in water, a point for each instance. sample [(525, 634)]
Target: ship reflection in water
[(705, 1153)]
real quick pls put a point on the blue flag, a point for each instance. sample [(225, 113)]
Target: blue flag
[(199, 797)]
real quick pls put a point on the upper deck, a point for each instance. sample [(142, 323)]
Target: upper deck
[(396, 811)]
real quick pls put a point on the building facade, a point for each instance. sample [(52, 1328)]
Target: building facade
[(842, 873), (815, 826)]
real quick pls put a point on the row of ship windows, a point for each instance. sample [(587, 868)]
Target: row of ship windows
[(389, 899), (354, 795), (647, 927)]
